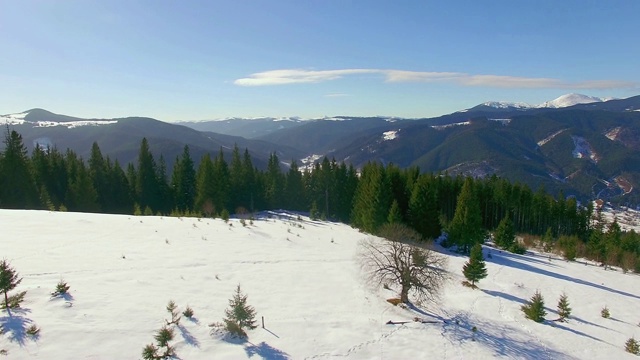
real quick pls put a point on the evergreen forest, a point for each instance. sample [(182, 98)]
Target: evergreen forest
[(466, 208)]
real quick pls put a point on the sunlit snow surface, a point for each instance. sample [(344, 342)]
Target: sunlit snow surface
[(303, 277), (389, 135), (13, 119), (74, 124)]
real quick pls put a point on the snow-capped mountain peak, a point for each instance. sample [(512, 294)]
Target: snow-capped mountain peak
[(570, 100), (506, 105)]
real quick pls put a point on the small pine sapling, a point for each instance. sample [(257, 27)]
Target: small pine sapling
[(475, 269), (15, 300), (632, 346), (224, 215), (33, 331), (605, 312), (162, 350), (534, 309), (564, 310), (172, 308), (9, 279), (61, 288), (188, 312), (239, 315)]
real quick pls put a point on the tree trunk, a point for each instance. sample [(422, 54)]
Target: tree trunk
[(404, 294), (6, 300)]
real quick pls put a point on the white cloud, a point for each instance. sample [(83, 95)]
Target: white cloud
[(299, 76), (294, 76)]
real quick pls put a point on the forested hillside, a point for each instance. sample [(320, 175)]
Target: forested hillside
[(378, 194)]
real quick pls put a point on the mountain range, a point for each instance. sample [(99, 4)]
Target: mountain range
[(584, 146)]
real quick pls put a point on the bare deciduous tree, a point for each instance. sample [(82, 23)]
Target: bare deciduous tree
[(402, 259)]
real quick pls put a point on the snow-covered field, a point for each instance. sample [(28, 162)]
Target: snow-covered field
[(302, 277)]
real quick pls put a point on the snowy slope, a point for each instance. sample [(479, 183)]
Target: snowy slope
[(570, 100), (506, 105), (20, 119), (302, 276)]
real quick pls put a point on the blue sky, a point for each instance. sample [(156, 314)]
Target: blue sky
[(194, 60)]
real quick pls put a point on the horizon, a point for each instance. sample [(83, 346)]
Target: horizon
[(210, 61), (294, 117)]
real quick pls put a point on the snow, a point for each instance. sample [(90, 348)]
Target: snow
[(583, 149), (74, 124), (550, 137), (302, 276), (389, 135), (442, 127), (570, 100), (13, 119), (613, 133), (503, 121), (506, 104), (309, 161)]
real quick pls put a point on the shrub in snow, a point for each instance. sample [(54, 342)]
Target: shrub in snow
[(239, 315), (62, 288), (161, 351), (534, 308), (605, 312), (517, 248), (632, 346), (172, 308), (9, 279), (4, 352), (188, 312), (15, 300), (33, 330), (563, 308), (224, 215)]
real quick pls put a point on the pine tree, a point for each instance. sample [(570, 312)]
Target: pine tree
[(423, 208), (564, 311), (475, 269), (239, 315), (534, 309), (146, 180), (372, 199), (395, 216), (505, 235), (314, 214), (465, 229), (632, 346), (183, 181), (17, 186), (9, 279)]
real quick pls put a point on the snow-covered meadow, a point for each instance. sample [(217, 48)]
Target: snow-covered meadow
[(303, 277)]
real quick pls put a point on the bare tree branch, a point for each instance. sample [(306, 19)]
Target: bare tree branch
[(401, 259)]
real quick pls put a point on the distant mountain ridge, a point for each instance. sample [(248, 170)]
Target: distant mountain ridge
[(581, 145)]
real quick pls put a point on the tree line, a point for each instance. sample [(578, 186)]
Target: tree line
[(466, 208)]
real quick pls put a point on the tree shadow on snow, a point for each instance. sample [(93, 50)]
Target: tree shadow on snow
[(15, 324), (505, 296), (509, 261), (188, 337), (562, 327), (266, 351), (66, 297), (496, 255), (502, 339)]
